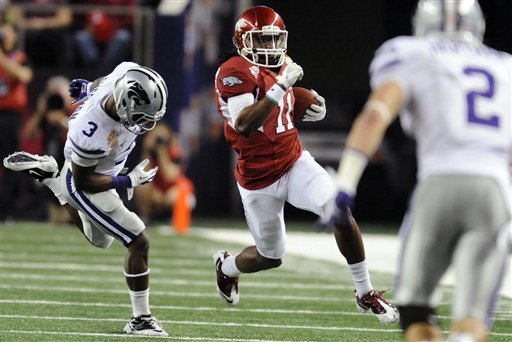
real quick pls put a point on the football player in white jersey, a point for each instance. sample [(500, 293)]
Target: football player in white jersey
[(454, 96), (115, 109)]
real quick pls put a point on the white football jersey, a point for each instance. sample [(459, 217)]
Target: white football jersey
[(458, 103), (94, 138)]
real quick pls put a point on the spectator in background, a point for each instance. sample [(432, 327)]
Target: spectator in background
[(50, 124), (46, 24), (202, 139), (201, 43), (15, 74), (106, 39), (170, 190)]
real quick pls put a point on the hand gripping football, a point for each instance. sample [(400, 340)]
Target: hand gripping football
[(304, 98)]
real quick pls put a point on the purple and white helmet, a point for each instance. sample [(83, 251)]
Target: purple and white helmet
[(454, 19), (141, 99)]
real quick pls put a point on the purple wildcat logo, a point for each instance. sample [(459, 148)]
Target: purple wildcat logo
[(137, 93)]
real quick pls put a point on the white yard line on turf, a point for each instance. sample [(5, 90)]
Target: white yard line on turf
[(381, 250), (176, 338), (227, 324), (200, 308)]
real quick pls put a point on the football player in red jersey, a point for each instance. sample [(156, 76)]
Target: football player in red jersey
[(255, 98)]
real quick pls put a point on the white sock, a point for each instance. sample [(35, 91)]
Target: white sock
[(54, 184), (140, 302), (361, 278), (461, 337), (229, 267)]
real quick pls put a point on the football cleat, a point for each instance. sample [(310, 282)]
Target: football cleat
[(144, 325), (227, 287), (39, 167), (375, 304)]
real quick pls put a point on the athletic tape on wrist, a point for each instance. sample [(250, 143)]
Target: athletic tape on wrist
[(276, 93), (127, 275), (352, 165)]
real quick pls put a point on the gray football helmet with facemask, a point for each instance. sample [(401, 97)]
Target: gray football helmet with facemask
[(141, 99), (454, 19)]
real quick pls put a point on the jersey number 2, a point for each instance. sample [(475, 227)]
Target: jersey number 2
[(473, 117)]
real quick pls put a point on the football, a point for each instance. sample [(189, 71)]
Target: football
[(304, 98)]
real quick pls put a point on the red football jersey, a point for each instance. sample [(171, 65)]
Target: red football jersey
[(271, 151)]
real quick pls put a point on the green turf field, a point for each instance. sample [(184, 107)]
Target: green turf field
[(56, 287)]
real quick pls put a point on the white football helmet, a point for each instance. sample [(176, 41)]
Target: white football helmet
[(455, 19), (141, 99)]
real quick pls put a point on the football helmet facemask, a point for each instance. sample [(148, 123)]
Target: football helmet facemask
[(141, 99), (455, 19), (260, 37)]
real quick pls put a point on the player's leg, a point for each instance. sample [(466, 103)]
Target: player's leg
[(100, 217), (265, 217), (103, 217), (45, 170), (428, 234), (311, 188), (264, 214), (42, 168), (479, 265)]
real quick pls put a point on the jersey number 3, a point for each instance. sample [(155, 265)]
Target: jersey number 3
[(471, 97), (91, 131)]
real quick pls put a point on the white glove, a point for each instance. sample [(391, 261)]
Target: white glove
[(315, 112), (291, 74), (138, 176)]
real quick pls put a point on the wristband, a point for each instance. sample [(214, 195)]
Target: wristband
[(121, 182), (352, 165), (276, 93)]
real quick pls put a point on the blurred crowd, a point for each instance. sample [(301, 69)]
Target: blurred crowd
[(45, 43), (74, 32)]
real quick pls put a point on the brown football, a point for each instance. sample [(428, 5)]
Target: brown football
[(304, 98)]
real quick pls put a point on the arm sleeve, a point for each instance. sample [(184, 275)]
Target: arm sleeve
[(237, 103)]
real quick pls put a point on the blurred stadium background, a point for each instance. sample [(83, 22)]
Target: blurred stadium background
[(334, 41)]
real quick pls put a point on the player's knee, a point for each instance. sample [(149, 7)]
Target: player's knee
[(345, 228), (271, 263), (412, 314), (140, 245)]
